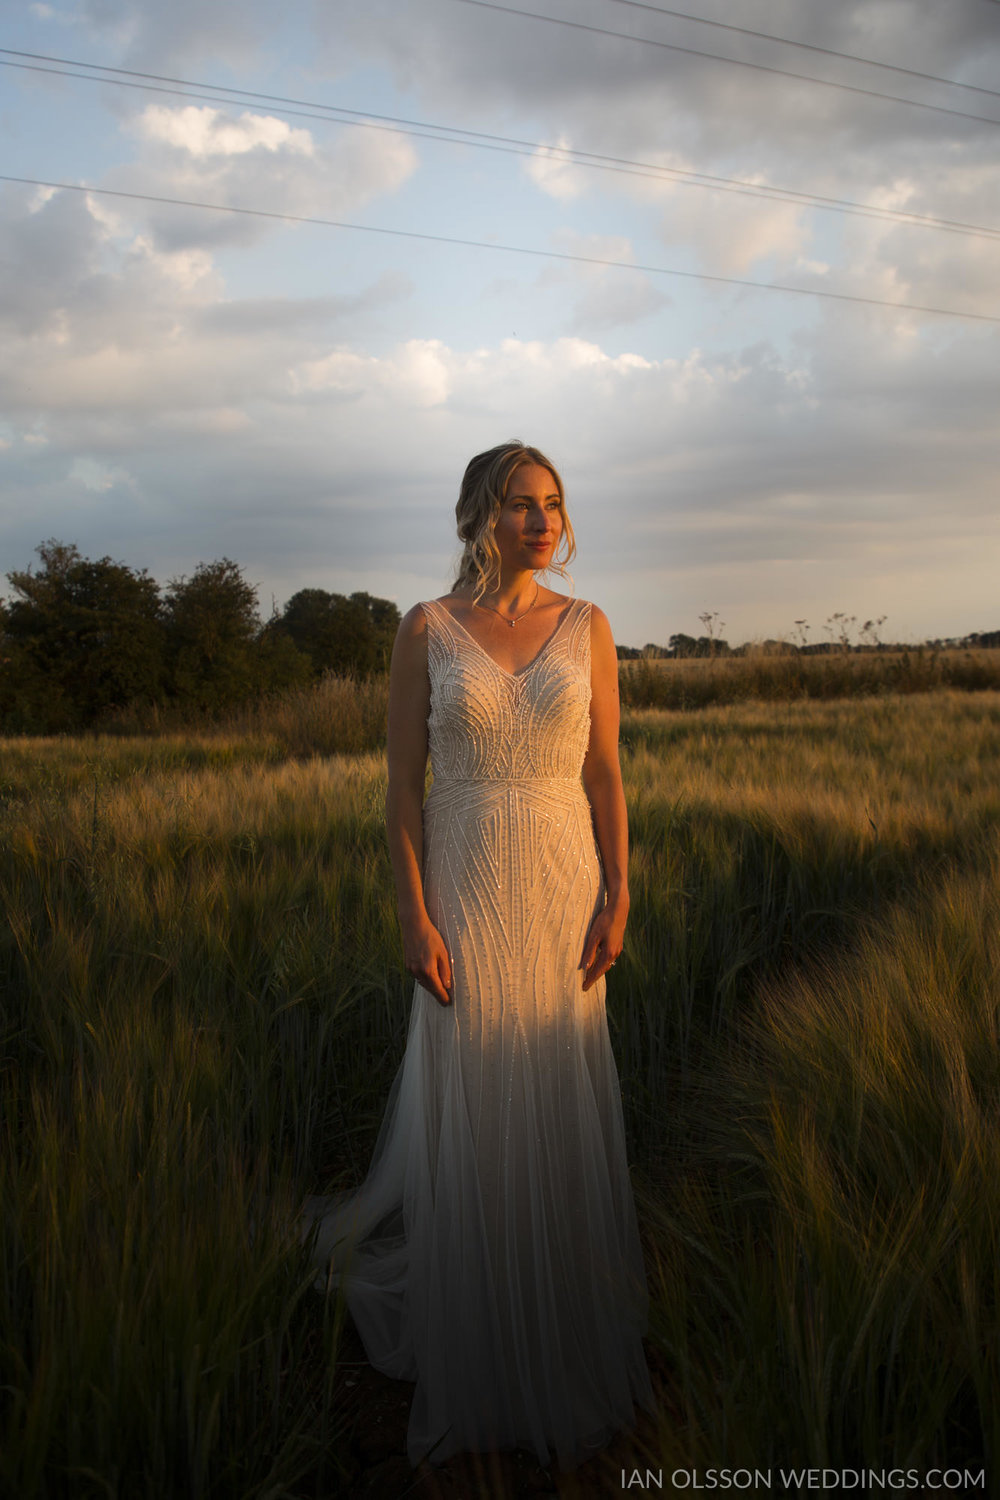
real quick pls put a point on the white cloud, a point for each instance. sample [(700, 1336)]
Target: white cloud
[(549, 170), (250, 161), (204, 131)]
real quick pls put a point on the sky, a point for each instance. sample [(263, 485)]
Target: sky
[(748, 422)]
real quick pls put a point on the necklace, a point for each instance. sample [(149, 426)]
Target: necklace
[(506, 618)]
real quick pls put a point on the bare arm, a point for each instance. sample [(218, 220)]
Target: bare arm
[(602, 780), (409, 704)]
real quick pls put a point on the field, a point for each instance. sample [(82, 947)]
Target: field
[(784, 676), (204, 1004)]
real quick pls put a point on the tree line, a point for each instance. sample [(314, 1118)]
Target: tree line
[(82, 640)]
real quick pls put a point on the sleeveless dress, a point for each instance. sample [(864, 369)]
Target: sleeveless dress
[(492, 1255)]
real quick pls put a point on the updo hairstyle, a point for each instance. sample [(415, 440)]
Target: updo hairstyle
[(484, 488)]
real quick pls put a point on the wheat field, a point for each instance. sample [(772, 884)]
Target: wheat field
[(204, 1005)]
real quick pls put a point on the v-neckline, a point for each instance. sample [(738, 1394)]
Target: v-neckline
[(523, 671)]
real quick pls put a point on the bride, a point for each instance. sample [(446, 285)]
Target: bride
[(492, 1254)]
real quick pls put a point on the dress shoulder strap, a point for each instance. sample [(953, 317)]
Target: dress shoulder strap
[(440, 639), (578, 631)]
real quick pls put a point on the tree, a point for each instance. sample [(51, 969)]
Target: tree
[(683, 645), (213, 625), (384, 618), (79, 638), (340, 634)]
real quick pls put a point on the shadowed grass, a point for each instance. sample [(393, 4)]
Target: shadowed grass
[(826, 1288)]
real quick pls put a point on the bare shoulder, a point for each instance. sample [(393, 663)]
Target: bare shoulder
[(409, 651), (414, 623), (413, 630), (600, 627)]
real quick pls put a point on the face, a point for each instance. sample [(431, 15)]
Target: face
[(530, 523)]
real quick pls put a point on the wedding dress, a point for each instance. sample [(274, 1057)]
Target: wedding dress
[(492, 1254)]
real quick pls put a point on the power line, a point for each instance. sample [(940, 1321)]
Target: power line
[(787, 41), (736, 62), (481, 140), (470, 244)]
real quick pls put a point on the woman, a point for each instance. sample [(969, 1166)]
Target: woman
[(492, 1254)]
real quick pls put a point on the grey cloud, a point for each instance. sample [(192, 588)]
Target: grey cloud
[(164, 37), (616, 303), (264, 316), (49, 256), (589, 84)]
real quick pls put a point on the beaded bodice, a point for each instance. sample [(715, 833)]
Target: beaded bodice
[(490, 724)]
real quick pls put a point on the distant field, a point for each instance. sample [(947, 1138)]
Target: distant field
[(343, 715), (693, 682), (204, 1005)]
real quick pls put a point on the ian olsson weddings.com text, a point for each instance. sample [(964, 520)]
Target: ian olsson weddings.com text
[(799, 1481)]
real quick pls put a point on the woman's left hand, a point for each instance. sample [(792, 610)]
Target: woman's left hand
[(605, 938)]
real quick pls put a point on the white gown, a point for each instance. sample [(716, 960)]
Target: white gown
[(492, 1253)]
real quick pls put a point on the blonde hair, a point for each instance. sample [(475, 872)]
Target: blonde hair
[(484, 489)]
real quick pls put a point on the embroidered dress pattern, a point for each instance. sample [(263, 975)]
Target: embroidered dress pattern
[(492, 1254)]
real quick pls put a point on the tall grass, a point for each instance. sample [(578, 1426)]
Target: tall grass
[(345, 715), (334, 716), (694, 682), (204, 1002), (825, 1283), (175, 989)]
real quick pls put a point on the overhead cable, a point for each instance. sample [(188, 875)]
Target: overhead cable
[(560, 255), (787, 41), (736, 62), (480, 140)]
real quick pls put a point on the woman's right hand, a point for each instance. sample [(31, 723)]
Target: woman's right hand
[(427, 960)]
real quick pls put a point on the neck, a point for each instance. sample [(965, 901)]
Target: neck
[(514, 592)]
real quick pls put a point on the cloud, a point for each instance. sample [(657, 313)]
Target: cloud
[(248, 160), (699, 479), (618, 91), (164, 38), (179, 384), (731, 234), (609, 296), (549, 170), (204, 131), (553, 84)]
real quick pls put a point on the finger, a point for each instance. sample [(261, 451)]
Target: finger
[(441, 970), (590, 949), (430, 982), (597, 952), (598, 969)]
